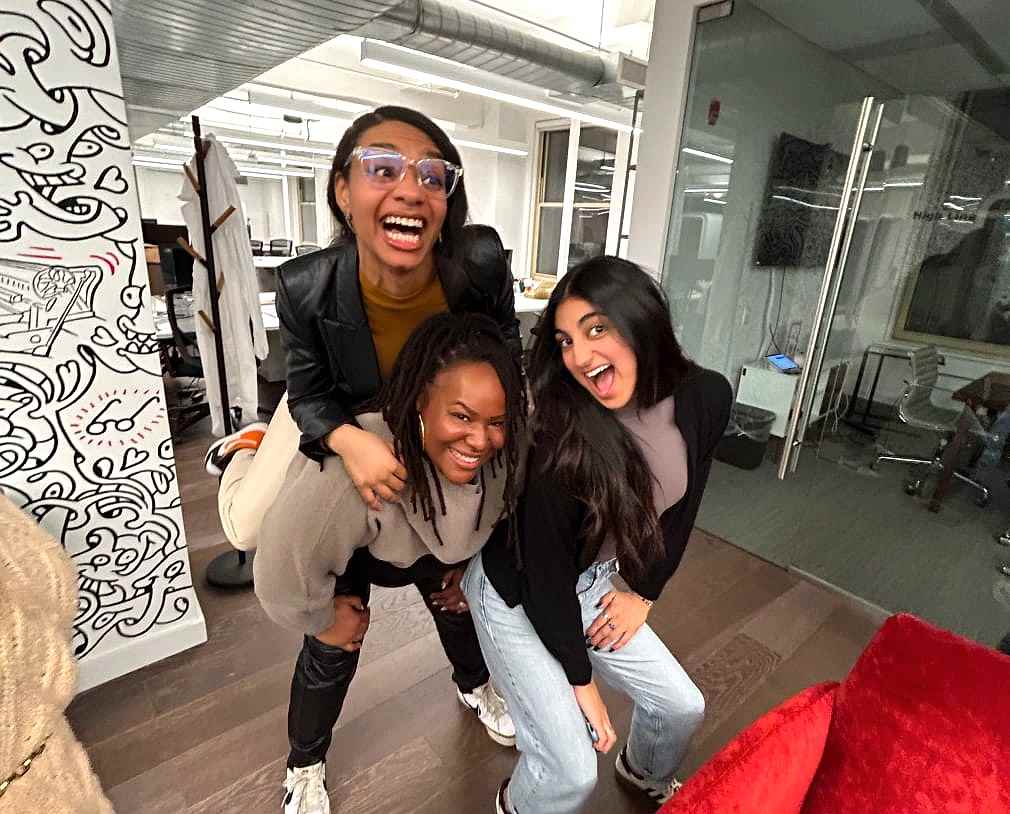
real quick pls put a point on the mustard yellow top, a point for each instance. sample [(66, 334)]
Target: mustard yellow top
[(393, 319)]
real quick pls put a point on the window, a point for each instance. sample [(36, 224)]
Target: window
[(594, 180), (589, 190), (307, 208), (550, 200)]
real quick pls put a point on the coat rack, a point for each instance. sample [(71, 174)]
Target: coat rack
[(232, 569)]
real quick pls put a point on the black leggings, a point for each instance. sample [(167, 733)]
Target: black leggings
[(323, 673)]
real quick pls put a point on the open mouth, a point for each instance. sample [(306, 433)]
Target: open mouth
[(47, 184), (464, 460), (602, 380), (403, 232)]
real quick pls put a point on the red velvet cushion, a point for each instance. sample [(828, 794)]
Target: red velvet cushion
[(921, 726), (767, 768)]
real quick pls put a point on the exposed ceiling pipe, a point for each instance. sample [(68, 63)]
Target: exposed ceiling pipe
[(177, 55), (477, 41)]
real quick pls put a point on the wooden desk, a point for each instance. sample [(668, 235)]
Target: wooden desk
[(990, 392)]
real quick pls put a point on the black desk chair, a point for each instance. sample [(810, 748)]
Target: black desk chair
[(280, 247), (183, 361), (257, 247), (306, 248)]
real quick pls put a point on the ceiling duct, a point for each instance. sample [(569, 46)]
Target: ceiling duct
[(451, 33), (177, 55)]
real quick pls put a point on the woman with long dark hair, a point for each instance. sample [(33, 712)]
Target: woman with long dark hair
[(454, 411), (624, 428)]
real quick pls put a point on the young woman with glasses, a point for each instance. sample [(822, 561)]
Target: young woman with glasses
[(396, 189)]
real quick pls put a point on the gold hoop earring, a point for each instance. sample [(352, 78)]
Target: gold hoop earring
[(420, 421)]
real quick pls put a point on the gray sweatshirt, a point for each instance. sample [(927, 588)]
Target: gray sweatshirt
[(318, 520)]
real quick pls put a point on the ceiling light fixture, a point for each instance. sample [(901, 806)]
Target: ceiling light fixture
[(710, 156), (473, 145), (493, 148), (278, 172)]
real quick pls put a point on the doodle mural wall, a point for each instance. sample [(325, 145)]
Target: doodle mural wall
[(84, 439)]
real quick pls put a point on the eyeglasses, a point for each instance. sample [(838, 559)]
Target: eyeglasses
[(385, 168)]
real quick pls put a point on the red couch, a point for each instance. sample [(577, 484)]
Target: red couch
[(920, 726)]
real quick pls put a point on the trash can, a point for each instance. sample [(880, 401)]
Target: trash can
[(746, 438)]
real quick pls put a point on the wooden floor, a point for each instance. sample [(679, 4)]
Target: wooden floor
[(204, 731)]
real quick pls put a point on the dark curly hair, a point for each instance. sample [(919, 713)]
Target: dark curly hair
[(438, 343), (457, 208)]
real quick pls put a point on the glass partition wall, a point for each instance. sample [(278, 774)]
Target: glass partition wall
[(842, 200)]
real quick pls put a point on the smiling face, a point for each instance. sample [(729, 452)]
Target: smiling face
[(595, 353), (464, 419), (395, 228)]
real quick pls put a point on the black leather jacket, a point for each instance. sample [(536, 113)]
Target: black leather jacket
[(332, 367)]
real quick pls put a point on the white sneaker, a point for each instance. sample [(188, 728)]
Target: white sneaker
[(305, 790), (657, 792), (221, 452), (491, 711), (500, 806)]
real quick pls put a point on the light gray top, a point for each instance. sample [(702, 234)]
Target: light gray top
[(665, 454), (318, 520)]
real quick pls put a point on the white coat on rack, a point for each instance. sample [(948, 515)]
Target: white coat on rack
[(238, 301)]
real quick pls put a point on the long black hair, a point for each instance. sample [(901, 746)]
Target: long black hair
[(580, 441), (457, 207), (438, 343)]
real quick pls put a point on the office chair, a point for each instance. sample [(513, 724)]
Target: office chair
[(190, 404), (280, 247), (306, 248), (256, 246), (916, 409)]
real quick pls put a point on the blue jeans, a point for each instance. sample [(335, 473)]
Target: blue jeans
[(556, 771)]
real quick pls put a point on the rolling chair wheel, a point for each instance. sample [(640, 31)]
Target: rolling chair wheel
[(913, 487), (1004, 538)]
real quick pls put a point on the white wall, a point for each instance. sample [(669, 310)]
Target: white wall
[(261, 199), (666, 90), (159, 190), (84, 434), (263, 202)]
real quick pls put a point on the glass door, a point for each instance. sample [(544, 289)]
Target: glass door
[(842, 199), (846, 217), (769, 173)]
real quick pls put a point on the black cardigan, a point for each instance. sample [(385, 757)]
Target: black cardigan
[(550, 520), (332, 367)]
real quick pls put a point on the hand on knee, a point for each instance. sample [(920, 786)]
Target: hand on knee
[(351, 619)]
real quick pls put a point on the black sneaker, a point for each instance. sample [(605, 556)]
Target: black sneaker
[(656, 791)]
